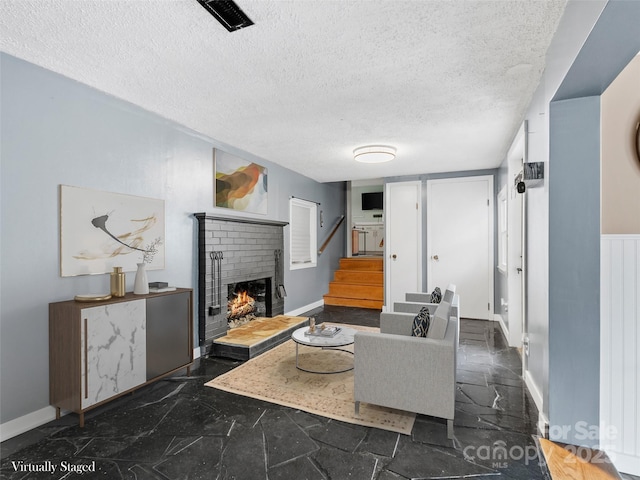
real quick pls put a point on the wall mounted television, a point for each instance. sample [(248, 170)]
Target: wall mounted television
[(372, 201)]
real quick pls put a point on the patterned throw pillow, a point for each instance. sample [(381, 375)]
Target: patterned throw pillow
[(421, 323), (436, 295)]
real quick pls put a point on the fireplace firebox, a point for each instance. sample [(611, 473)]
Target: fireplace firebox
[(248, 300)]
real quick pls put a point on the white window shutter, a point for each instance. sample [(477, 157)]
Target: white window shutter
[(303, 242)]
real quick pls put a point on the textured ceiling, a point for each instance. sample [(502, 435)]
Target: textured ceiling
[(445, 82)]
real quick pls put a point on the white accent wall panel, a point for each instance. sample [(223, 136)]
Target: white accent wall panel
[(620, 350)]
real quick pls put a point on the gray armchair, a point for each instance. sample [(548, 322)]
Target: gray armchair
[(395, 370), (414, 301)]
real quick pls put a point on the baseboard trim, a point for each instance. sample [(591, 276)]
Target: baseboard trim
[(543, 425), (543, 422), (533, 390), (625, 463), (306, 308), (32, 420), (505, 331), (26, 422)]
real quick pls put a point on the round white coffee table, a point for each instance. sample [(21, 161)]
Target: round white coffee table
[(341, 339)]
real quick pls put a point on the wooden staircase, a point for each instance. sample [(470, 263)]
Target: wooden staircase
[(358, 283)]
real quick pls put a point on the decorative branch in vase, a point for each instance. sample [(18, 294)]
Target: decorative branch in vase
[(141, 284), (151, 250)]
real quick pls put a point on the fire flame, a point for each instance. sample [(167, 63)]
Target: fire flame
[(238, 304)]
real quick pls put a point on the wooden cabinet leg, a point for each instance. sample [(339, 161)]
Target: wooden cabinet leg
[(81, 419), (57, 413)]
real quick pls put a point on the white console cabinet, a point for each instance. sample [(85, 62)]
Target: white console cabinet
[(99, 351)]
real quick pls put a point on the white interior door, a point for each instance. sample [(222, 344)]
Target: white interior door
[(524, 341), (403, 241), (515, 250), (515, 270), (460, 241)]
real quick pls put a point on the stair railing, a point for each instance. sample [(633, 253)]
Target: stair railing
[(333, 232)]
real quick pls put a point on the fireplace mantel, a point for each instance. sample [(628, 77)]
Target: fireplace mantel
[(256, 221)]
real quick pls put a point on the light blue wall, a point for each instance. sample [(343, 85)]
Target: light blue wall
[(574, 220), (594, 41), (574, 266), (575, 26), (56, 131)]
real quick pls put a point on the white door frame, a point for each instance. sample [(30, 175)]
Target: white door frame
[(491, 263), (515, 247)]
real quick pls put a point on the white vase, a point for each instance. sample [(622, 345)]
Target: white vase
[(141, 283)]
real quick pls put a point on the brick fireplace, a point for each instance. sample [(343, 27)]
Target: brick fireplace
[(236, 253)]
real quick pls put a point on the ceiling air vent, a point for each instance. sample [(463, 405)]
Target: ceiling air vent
[(227, 13)]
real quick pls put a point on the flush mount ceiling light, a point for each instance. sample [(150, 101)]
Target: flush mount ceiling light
[(374, 154), (227, 13)]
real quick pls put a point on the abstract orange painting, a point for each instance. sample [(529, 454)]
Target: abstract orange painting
[(239, 184)]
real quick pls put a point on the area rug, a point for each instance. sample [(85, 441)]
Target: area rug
[(273, 377)]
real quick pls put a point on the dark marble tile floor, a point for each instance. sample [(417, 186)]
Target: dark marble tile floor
[(179, 429)]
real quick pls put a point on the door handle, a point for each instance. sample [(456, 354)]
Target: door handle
[(394, 256), (519, 270), (435, 257), (86, 360)]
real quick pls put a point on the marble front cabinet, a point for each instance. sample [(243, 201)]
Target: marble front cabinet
[(113, 349), (99, 351)]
